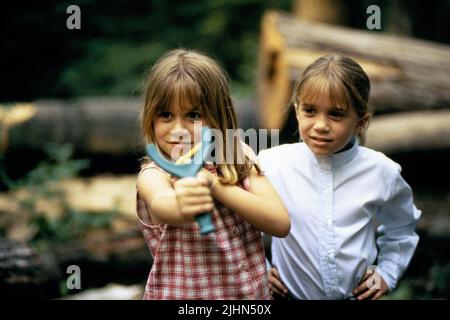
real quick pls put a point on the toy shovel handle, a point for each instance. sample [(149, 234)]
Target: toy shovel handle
[(205, 223)]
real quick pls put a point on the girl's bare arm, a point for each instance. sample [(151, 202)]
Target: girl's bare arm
[(261, 206), (173, 205)]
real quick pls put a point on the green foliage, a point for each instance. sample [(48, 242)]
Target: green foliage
[(59, 165), (119, 41), (435, 286), (118, 68), (41, 184), (402, 292), (439, 281), (71, 225), (114, 61)]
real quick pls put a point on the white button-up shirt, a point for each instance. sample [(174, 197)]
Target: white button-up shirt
[(335, 204)]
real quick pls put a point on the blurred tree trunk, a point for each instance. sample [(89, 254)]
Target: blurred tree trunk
[(410, 131), (102, 256), (107, 256), (95, 125), (395, 14), (406, 74), (91, 125), (326, 11), (26, 274)]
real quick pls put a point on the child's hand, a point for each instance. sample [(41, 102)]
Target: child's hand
[(208, 177), (194, 196), (276, 286), (372, 285)]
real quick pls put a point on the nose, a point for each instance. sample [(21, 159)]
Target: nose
[(179, 131), (321, 124)]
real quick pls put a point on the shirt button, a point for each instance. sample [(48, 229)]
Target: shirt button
[(243, 267)]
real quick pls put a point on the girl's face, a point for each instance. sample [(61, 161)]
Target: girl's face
[(326, 128), (174, 129)]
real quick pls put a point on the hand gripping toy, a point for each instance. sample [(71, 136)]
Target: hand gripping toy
[(188, 170)]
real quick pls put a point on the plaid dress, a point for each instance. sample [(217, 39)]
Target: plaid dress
[(226, 264)]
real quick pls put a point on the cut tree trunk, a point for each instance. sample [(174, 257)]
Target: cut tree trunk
[(95, 125), (406, 74), (103, 256), (25, 273), (91, 125), (327, 11), (410, 131), (109, 250), (107, 256), (396, 14)]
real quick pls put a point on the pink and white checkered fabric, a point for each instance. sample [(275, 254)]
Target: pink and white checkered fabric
[(226, 264)]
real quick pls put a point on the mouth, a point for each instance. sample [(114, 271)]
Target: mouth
[(178, 149), (175, 143), (320, 139)]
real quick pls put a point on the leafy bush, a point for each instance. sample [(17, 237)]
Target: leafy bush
[(119, 41), (41, 183)]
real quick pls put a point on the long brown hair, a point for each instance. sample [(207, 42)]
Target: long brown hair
[(188, 75), (345, 81)]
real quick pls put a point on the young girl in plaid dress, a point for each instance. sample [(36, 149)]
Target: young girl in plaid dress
[(183, 88)]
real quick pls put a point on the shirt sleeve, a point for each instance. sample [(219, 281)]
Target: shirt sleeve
[(262, 161), (398, 240), (268, 162)]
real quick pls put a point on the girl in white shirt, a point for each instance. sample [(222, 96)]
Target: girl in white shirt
[(337, 192)]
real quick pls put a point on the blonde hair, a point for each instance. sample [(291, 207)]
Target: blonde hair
[(343, 79), (190, 76)]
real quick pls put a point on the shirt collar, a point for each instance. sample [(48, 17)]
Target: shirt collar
[(336, 159)]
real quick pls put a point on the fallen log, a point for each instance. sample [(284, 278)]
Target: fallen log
[(406, 74), (95, 125), (107, 256), (102, 257), (396, 16), (25, 273), (410, 131), (106, 246), (327, 11), (92, 125)]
